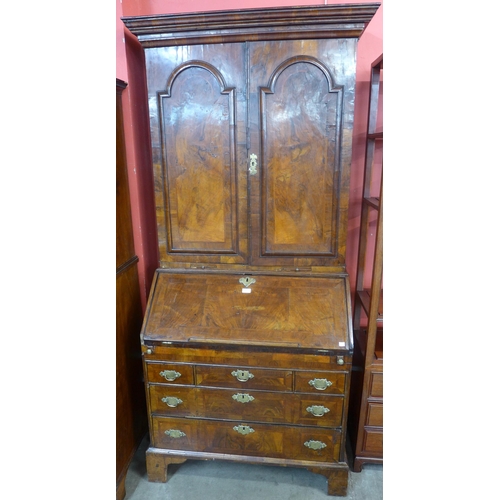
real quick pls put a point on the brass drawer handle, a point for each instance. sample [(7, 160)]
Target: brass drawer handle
[(320, 383), (243, 429), (242, 375), (170, 375), (243, 398), (317, 410), (315, 445), (174, 433), (171, 401)]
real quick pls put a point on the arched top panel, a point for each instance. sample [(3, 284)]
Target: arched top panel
[(198, 64), (302, 59)]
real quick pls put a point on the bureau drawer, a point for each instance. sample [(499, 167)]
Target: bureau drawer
[(320, 382), (243, 378), (252, 406), (169, 373), (277, 441)]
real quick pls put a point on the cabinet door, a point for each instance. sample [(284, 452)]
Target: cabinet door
[(197, 101), (300, 117)]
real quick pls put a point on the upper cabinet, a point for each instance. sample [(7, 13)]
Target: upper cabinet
[(251, 131)]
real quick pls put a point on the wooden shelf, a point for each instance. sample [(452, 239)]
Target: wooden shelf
[(364, 297), (360, 338), (373, 202)]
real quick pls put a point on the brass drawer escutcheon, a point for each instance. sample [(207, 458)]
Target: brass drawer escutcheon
[(171, 401), (174, 433), (243, 429), (315, 445), (317, 410), (170, 375), (242, 375), (243, 398), (320, 383)]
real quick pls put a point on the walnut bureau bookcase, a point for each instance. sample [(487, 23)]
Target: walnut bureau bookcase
[(247, 339)]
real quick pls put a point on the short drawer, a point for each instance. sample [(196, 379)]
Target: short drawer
[(376, 385), (374, 415), (239, 438), (243, 378), (169, 373), (320, 382)]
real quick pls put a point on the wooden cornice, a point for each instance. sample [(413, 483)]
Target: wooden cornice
[(328, 21)]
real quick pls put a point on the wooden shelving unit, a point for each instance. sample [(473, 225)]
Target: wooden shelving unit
[(365, 417)]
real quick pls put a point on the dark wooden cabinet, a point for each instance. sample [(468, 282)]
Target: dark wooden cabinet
[(131, 416), (247, 340)]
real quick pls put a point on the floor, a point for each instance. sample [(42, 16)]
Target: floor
[(214, 480)]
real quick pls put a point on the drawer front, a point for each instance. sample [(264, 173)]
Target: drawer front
[(277, 441), (373, 441), (173, 400), (376, 385), (169, 373), (374, 415), (320, 382), (243, 378)]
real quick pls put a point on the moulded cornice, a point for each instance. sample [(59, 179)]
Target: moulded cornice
[(328, 21)]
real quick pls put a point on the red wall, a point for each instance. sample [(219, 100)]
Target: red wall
[(130, 68)]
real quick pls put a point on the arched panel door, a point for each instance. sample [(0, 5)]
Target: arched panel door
[(299, 130), (200, 180)]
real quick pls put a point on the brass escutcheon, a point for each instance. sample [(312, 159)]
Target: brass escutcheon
[(174, 433), (170, 375), (317, 410), (243, 398), (171, 401), (320, 383), (252, 169), (242, 375), (315, 445), (243, 429), (247, 281)]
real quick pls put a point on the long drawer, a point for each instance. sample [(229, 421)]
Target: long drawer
[(277, 441), (255, 406)]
